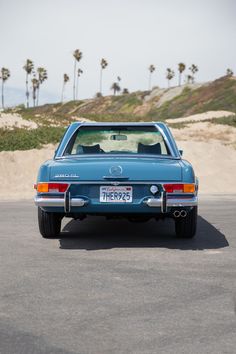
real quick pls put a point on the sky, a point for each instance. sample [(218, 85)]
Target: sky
[(129, 34)]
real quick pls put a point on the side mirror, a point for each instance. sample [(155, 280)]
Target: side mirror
[(181, 152)]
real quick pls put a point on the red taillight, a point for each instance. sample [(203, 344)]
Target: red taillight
[(174, 188), (179, 188), (52, 187)]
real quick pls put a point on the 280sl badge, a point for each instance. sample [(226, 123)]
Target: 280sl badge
[(67, 175)]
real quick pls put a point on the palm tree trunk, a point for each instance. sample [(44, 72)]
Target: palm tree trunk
[(62, 92), (38, 95), (27, 91), (74, 80), (77, 83), (180, 79), (2, 94), (34, 95), (149, 81), (101, 81)]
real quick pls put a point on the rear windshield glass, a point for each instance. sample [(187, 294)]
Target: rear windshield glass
[(117, 140)]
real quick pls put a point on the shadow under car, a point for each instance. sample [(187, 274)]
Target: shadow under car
[(97, 233)]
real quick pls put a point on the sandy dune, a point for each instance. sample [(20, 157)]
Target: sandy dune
[(12, 120), (208, 132), (202, 116)]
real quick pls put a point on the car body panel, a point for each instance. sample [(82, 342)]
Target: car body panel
[(85, 175)]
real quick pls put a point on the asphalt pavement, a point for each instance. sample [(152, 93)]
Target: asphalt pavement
[(105, 287)]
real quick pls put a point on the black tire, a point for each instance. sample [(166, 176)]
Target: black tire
[(187, 227), (49, 223)]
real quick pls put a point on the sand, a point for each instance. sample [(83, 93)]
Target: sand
[(207, 132), (14, 120), (201, 117), (19, 172)]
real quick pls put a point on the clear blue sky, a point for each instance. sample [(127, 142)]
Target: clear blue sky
[(130, 34)]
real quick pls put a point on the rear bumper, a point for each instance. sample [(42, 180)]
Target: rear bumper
[(152, 204), (172, 202), (59, 202)]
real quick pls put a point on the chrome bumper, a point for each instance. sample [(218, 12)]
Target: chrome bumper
[(59, 202), (172, 202)]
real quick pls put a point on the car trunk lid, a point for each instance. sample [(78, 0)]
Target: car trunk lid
[(116, 168)]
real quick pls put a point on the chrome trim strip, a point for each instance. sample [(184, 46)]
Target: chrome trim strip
[(58, 202), (112, 178), (111, 156), (166, 140), (178, 202)]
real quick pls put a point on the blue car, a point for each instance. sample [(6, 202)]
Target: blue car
[(129, 170)]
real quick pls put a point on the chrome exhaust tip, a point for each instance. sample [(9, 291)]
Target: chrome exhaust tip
[(183, 213), (176, 213)]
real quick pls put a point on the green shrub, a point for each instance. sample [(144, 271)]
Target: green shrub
[(22, 139)]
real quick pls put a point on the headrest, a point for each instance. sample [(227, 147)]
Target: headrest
[(149, 149), (93, 149)]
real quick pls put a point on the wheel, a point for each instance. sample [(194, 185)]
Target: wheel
[(49, 223), (186, 227)]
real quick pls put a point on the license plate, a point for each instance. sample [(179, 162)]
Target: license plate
[(114, 194)]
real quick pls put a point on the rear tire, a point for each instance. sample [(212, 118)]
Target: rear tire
[(49, 223), (187, 227)]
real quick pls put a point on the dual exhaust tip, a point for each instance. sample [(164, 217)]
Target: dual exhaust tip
[(180, 213)]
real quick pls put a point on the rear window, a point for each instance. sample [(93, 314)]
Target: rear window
[(117, 140)]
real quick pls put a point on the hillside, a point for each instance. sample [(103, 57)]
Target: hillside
[(35, 127), (159, 104)]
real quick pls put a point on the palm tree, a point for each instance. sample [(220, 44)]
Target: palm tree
[(79, 72), (4, 76), (103, 64), (229, 72), (181, 68), (42, 76), (151, 70), (193, 68), (28, 67), (65, 80), (115, 87), (77, 56), (35, 85), (169, 75)]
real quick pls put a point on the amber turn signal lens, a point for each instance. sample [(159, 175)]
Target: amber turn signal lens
[(42, 187), (189, 188)]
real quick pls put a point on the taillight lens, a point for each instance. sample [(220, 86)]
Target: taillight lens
[(52, 187), (179, 188)]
